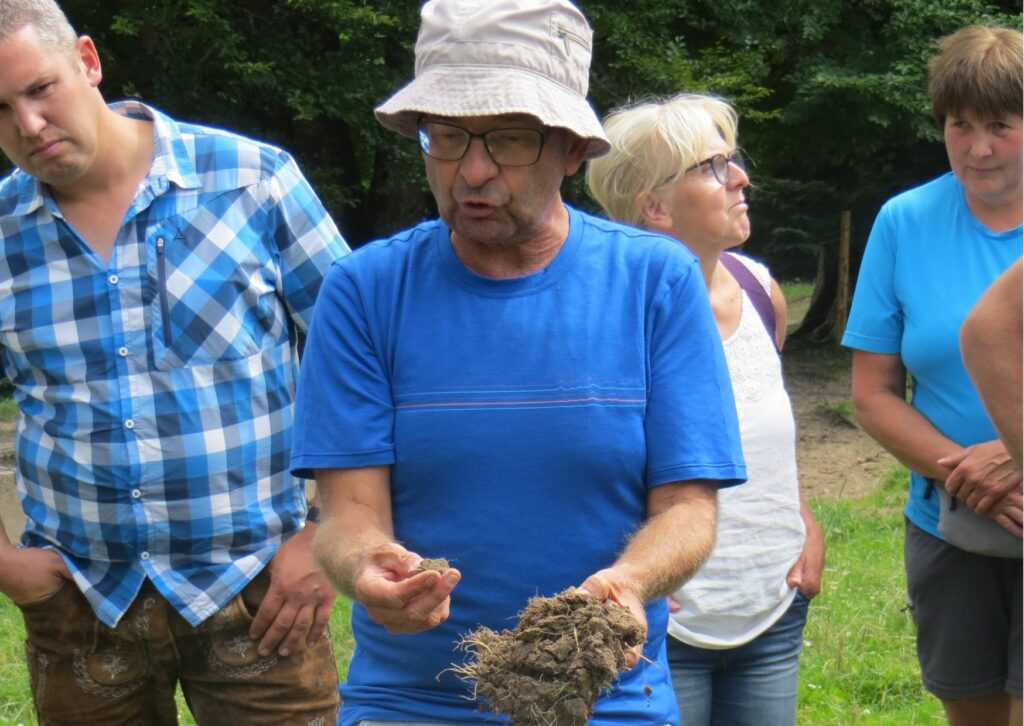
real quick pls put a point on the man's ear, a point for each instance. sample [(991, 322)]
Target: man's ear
[(653, 212), (88, 59), (576, 154)]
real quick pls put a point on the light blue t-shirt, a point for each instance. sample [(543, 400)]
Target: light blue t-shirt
[(927, 262), (525, 420)]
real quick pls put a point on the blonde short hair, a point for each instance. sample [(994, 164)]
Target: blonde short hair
[(653, 140), (978, 70)]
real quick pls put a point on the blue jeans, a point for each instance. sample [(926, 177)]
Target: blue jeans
[(751, 685)]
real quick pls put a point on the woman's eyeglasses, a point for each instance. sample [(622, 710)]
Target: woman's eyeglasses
[(719, 164)]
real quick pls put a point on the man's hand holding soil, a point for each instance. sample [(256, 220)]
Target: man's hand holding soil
[(400, 596), (610, 585), (664, 553), (356, 548)]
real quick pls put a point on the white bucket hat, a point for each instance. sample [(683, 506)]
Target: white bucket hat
[(485, 58)]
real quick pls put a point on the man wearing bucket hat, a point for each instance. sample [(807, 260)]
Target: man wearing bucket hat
[(500, 387)]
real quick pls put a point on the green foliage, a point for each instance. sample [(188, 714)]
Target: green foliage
[(303, 74), (831, 95), (832, 98)]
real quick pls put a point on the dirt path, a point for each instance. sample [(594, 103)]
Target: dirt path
[(836, 458), (10, 509)]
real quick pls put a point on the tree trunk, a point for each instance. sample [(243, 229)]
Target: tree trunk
[(826, 314), (843, 281)]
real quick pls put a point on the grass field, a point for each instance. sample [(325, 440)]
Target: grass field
[(798, 299), (859, 664), (8, 409)]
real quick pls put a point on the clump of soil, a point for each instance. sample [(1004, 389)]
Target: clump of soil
[(550, 670), (436, 564)]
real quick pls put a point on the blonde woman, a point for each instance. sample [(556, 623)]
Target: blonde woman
[(737, 625)]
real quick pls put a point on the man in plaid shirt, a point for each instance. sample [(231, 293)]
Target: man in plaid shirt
[(154, 279)]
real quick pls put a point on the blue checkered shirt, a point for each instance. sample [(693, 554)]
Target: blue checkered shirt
[(156, 390)]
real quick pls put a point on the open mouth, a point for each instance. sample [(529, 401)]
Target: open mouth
[(476, 209)]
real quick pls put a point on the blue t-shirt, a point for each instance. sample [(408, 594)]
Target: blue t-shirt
[(525, 420), (927, 262)]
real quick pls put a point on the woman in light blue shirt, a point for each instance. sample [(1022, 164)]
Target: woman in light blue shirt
[(931, 254)]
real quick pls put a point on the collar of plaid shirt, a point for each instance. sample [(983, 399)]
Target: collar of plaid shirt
[(156, 390)]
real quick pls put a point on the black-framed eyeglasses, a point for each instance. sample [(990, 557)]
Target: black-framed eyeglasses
[(719, 165), (507, 147)]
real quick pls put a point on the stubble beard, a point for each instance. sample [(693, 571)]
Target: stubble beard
[(505, 231), (59, 171)]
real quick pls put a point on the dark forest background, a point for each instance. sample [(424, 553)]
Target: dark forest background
[(831, 94)]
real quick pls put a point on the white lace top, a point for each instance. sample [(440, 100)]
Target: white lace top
[(741, 590)]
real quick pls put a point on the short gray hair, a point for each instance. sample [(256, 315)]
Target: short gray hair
[(49, 21), (652, 140)]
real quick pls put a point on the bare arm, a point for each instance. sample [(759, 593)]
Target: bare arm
[(980, 474), (356, 548), (672, 544), (666, 551), (991, 342), (879, 395), (355, 517), (779, 304), (298, 603), (806, 572)]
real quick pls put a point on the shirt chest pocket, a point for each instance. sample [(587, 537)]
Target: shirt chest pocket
[(215, 293)]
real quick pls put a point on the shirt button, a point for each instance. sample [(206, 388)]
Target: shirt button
[(129, 424), (113, 279), (122, 351), (144, 555), (136, 493)]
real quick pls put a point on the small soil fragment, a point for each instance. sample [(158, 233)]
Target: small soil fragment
[(437, 564), (550, 670)]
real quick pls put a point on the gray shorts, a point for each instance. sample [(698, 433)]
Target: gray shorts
[(968, 612)]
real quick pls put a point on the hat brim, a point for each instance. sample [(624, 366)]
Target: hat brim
[(467, 90)]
